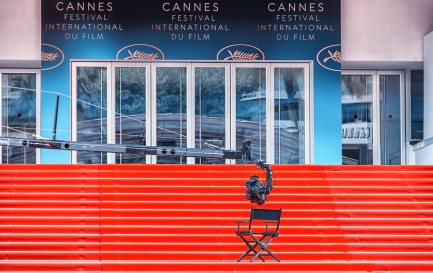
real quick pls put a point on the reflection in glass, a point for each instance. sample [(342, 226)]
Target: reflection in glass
[(19, 115), (390, 139), (171, 110), (251, 109), (357, 116), (289, 110), (91, 111), (417, 104), (130, 110), (210, 110)]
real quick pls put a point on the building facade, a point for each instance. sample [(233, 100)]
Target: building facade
[(310, 82)]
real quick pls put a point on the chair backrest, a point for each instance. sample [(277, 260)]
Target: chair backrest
[(265, 215)]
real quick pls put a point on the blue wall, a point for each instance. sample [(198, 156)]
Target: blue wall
[(281, 30)]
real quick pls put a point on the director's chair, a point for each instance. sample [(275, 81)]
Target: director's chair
[(260, 239)]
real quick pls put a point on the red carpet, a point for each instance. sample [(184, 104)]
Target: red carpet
[(182, 218)]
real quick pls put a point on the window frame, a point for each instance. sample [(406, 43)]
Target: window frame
[(230, 100), (38, 103), (123, 64), (191, 122), (308, 109), (376, 109), (110, 113)]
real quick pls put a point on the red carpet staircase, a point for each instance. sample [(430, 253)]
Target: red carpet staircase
[(182, 218)]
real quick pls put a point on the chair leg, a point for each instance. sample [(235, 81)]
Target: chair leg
[(255, 245), (263, 247), (252, 249)]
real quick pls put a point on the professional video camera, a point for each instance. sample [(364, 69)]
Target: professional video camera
[(256, 191)]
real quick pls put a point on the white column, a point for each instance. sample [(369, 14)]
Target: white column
[(20, 32), (428, 86)]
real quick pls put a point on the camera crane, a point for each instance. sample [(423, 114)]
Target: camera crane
[(256, 191)]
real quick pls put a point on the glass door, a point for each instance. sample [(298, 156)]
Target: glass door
[(391, 124), (250, 86), (170, 84), (290, 96), (357, 119), (91, 89), (184, 104), (132, 91), (373, 131), (211, 99), (20, 110)]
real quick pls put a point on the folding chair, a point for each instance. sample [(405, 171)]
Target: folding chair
[(260, 239)]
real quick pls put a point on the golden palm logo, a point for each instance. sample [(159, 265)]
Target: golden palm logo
[(239, 55), (140, 52), (48, 57), (51, 56), (140, 56), (240, 52), (330, 57), (336, 56)]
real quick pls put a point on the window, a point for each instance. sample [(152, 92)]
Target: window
[(357, 115), (289, 114), (373, 117), (417, 105), (210, 95), (130, 110), (390, 120), (171, 88), (251, 119), (91, 111), (206, 105), (20, 95)]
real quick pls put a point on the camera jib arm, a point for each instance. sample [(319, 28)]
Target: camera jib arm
[(256, 191)]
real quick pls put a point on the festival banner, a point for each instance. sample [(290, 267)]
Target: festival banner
[(254, 30)]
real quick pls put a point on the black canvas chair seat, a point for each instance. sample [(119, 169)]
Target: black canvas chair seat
[(257, 242), (271, 233)]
